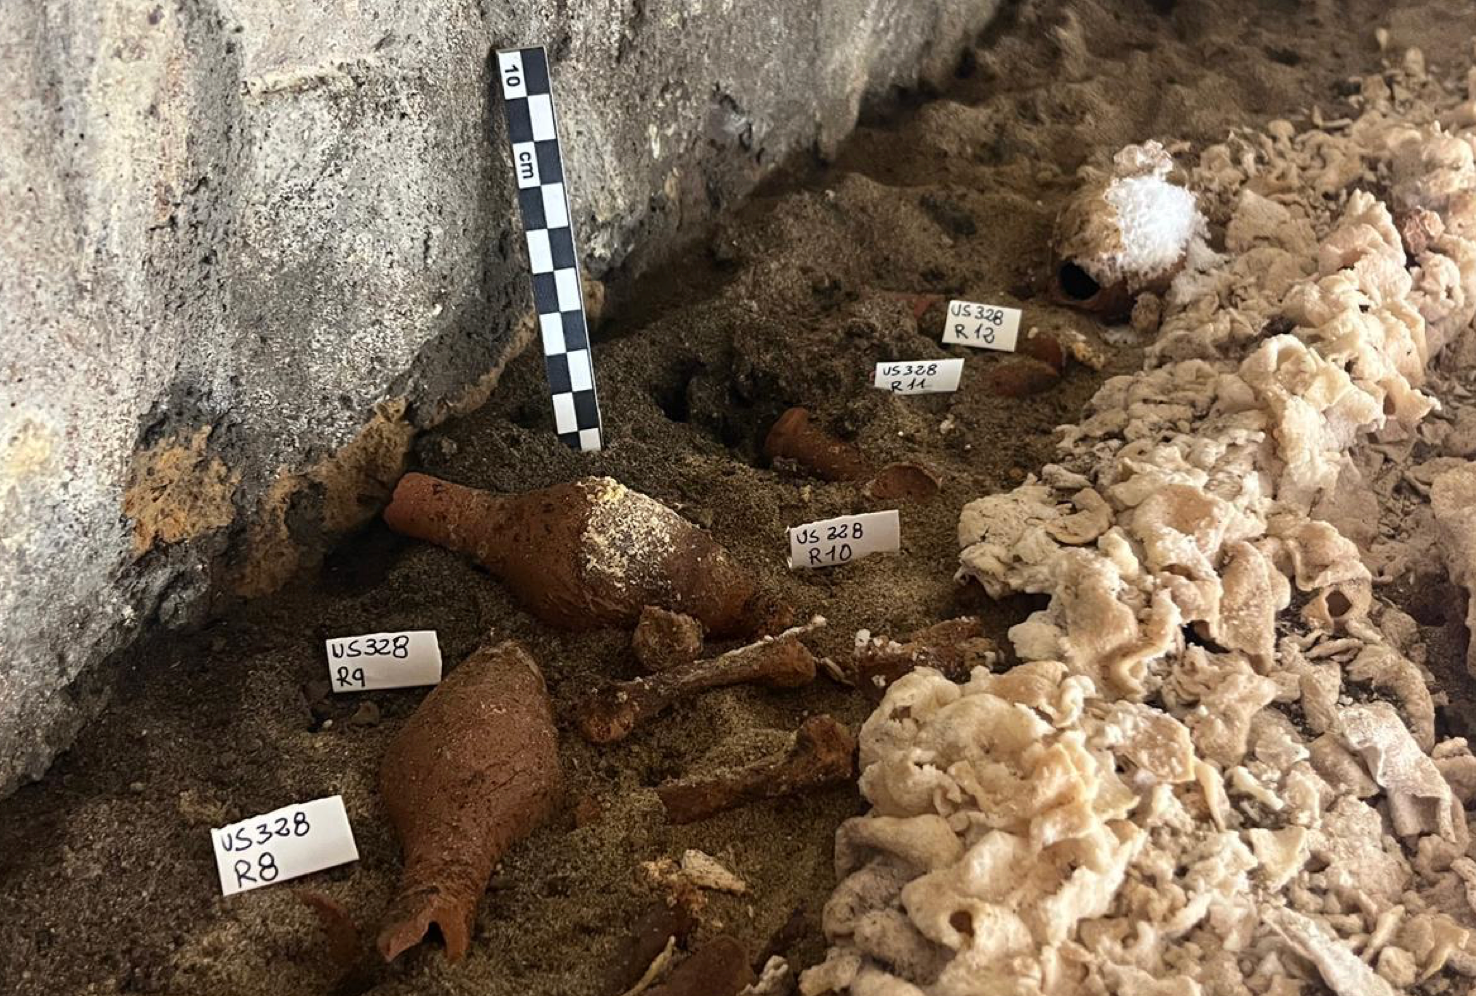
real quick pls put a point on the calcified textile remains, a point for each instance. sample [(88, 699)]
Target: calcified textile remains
[(1216, 770)]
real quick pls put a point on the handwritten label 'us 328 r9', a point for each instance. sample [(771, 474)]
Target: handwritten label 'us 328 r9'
[(831, 542), (983, 326), (384, 660), (285, 843)]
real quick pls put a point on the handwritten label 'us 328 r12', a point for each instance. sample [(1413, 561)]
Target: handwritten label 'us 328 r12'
[(983, 326), (285, 843), (831, 542), (384, 660)]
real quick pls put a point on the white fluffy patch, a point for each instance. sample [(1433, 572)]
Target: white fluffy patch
[(1157, 221)]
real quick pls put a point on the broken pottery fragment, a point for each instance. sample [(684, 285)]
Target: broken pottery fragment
[(348, 953), (1042, 346), (1124, 232), (904, 482), (588, 553), (718, 968), (658, 929), (473, 771), (1022, 378)]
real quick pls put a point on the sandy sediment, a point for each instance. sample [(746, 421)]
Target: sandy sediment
[(106, 875)]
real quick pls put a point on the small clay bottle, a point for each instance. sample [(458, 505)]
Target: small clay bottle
[(589, 553), (794, 436), (472, 772)]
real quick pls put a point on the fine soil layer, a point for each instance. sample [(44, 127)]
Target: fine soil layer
[(107, 880)]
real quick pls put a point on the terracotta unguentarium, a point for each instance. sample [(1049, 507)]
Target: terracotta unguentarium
[(474, 770), (589, 553)]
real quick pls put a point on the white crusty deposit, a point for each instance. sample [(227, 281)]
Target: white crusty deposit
[(1128, 229), (1217, 769)]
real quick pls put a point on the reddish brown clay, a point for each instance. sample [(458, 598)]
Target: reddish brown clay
[(719, 968), (795, 437), (662, 639), (1044, 347), (954, 647), (1075, 288), (823, 754), (339, 928), (920, 304), (904, 482), (611, 713), (923, 303), (474, 770), (588, 553), (1021, 378), (647, 939), (790, 933)]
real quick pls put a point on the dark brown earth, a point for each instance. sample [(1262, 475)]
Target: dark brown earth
[(107, 883)]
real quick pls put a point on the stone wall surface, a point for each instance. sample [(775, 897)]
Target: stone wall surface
[(249, 247)]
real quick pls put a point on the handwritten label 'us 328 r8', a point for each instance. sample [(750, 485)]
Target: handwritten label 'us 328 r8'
[(384, 660), (831, 542), (983, 326), (285, 843)]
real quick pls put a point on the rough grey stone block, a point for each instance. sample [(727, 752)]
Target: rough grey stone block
[(248, 247)]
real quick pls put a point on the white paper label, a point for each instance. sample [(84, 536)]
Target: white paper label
[(514, 84), (918, 376), (983, 326), (285, 843), (384, 660), (839, 541)]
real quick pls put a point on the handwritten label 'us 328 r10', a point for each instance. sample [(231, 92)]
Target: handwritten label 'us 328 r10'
[(831, 542), (384, 660), (983, 326)]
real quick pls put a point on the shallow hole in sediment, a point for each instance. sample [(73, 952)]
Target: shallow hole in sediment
[(672, 396)]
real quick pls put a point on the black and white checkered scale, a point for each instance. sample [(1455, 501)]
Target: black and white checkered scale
[(538, 163)]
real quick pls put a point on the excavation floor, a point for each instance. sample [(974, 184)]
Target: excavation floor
[(107, 882)]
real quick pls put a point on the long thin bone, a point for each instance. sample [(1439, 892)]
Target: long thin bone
[(611, 713), (823, 754)]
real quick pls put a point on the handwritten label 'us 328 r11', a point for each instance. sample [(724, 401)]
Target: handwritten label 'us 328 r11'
[(831, 542), (384, 660), (983, 326), (918, 376), (285, 843)]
